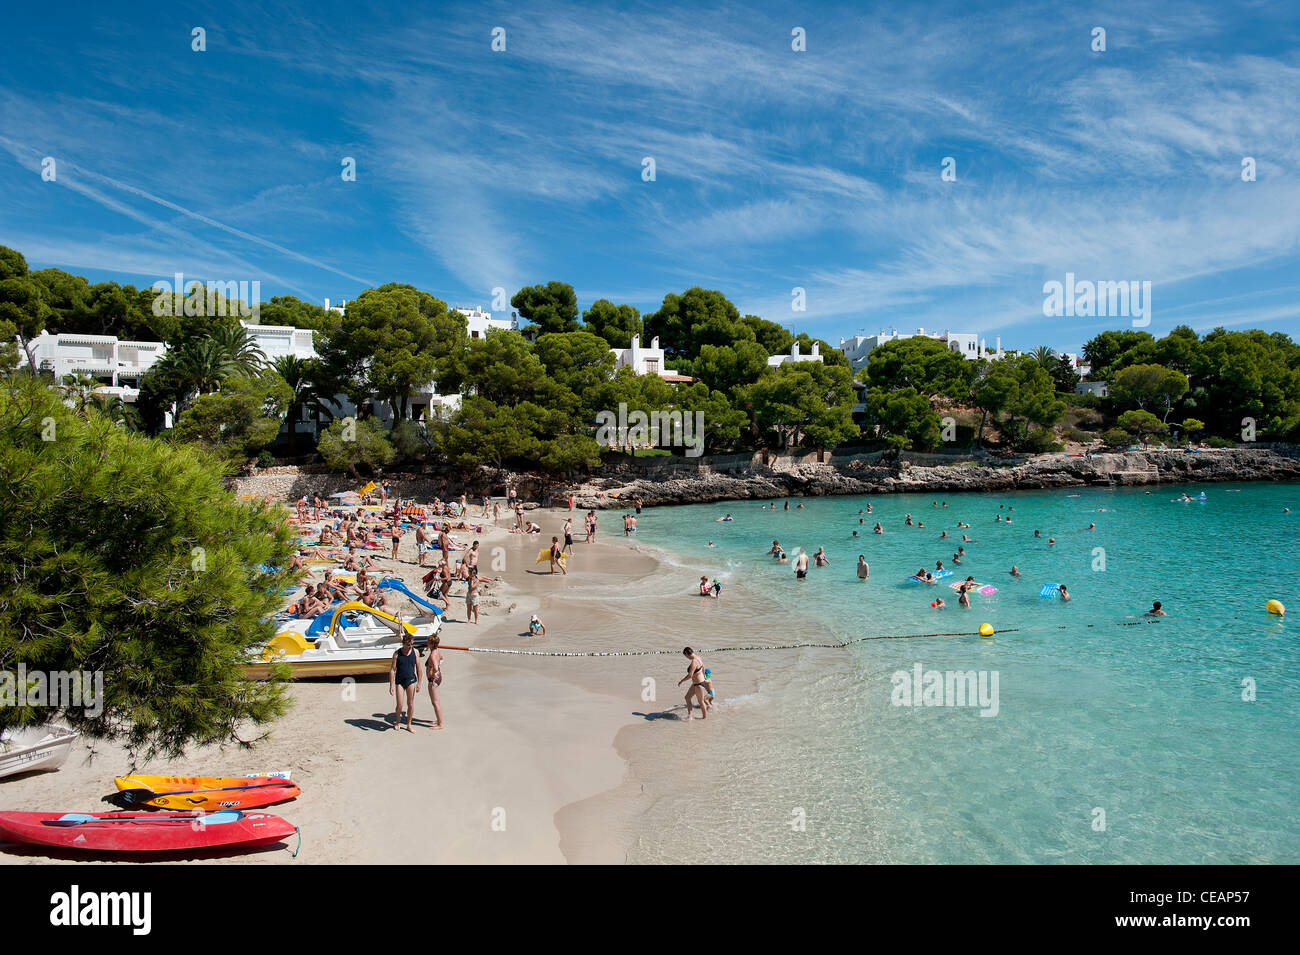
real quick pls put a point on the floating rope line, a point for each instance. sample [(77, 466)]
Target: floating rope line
[(649, 653), (781, 646)]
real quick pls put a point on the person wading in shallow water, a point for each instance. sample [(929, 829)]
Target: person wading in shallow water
[(695, 673)]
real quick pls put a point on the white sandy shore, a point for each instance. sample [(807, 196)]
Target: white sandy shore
[(525, 771)]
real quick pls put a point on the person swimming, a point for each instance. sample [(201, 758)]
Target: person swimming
[(1156, 610), (1065, 594), (723, 520), (1015, 571)]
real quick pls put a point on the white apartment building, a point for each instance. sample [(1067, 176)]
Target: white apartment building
[(647, 361), (1099, 388), (776, 361), (479, 322), (967, 344), (117, 365)]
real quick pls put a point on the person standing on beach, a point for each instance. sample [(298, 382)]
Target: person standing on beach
[(404, 680), (568, 535), (801, 565), (471, 558), (396, 535), (556, 557), (694, 673), (471, 598), (433, 670), (421, 543)]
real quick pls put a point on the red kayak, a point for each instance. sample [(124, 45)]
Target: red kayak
[(144, 831)]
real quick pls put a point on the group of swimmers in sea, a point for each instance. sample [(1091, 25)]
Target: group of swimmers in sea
[(822, 559)]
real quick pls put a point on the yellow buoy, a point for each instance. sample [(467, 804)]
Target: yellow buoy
[(1275, 606), (986, 630)]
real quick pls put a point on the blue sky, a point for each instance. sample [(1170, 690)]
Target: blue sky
[(774, 168)]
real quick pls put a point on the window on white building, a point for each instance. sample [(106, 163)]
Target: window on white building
[(652, 365)]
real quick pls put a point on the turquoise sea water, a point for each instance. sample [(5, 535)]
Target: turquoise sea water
[(1098, 711)]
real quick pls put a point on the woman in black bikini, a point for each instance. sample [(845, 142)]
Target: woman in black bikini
[(694, 673), (404, 680)]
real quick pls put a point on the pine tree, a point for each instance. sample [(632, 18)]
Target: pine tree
[(124, 555)]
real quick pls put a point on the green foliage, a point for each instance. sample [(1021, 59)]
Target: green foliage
[(1018, 393), (200, 367), (1153, 385), (1233, 375), (1063, 375), (23, 311), (1116, 438), (698, 317), (580, 363), (294, 312), (351, 444), (805, 403), (616, 324), (904, 414), (505, 368), (775, 339), (1215, 441), (926, 366), (265, 459), (300, 374), (124, 555), (412, 440), (552, 307), (392, 341), (728, 368), (236, 422), (1142, 423)]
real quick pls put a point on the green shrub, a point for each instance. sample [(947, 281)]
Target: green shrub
[(1115, 438), (1041, 441), (265, 459), (1215, 441)]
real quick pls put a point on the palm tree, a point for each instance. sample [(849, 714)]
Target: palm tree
[(1043, 355), (200, 365), (298, 374), (81, 389), (238, 350)]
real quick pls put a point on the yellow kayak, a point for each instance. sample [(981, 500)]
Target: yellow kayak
[(205, 792)]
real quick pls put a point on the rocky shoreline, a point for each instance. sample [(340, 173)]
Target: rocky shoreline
[(857, 476), (670, 481)]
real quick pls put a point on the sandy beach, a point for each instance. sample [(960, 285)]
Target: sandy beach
[(526, 770)]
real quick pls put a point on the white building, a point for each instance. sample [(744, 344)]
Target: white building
[(478, 322), (1098, 388), (1080, 364), (776, 361), (338, 309), (279, 340), (647, 361), (967, 344), (117, 365)]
